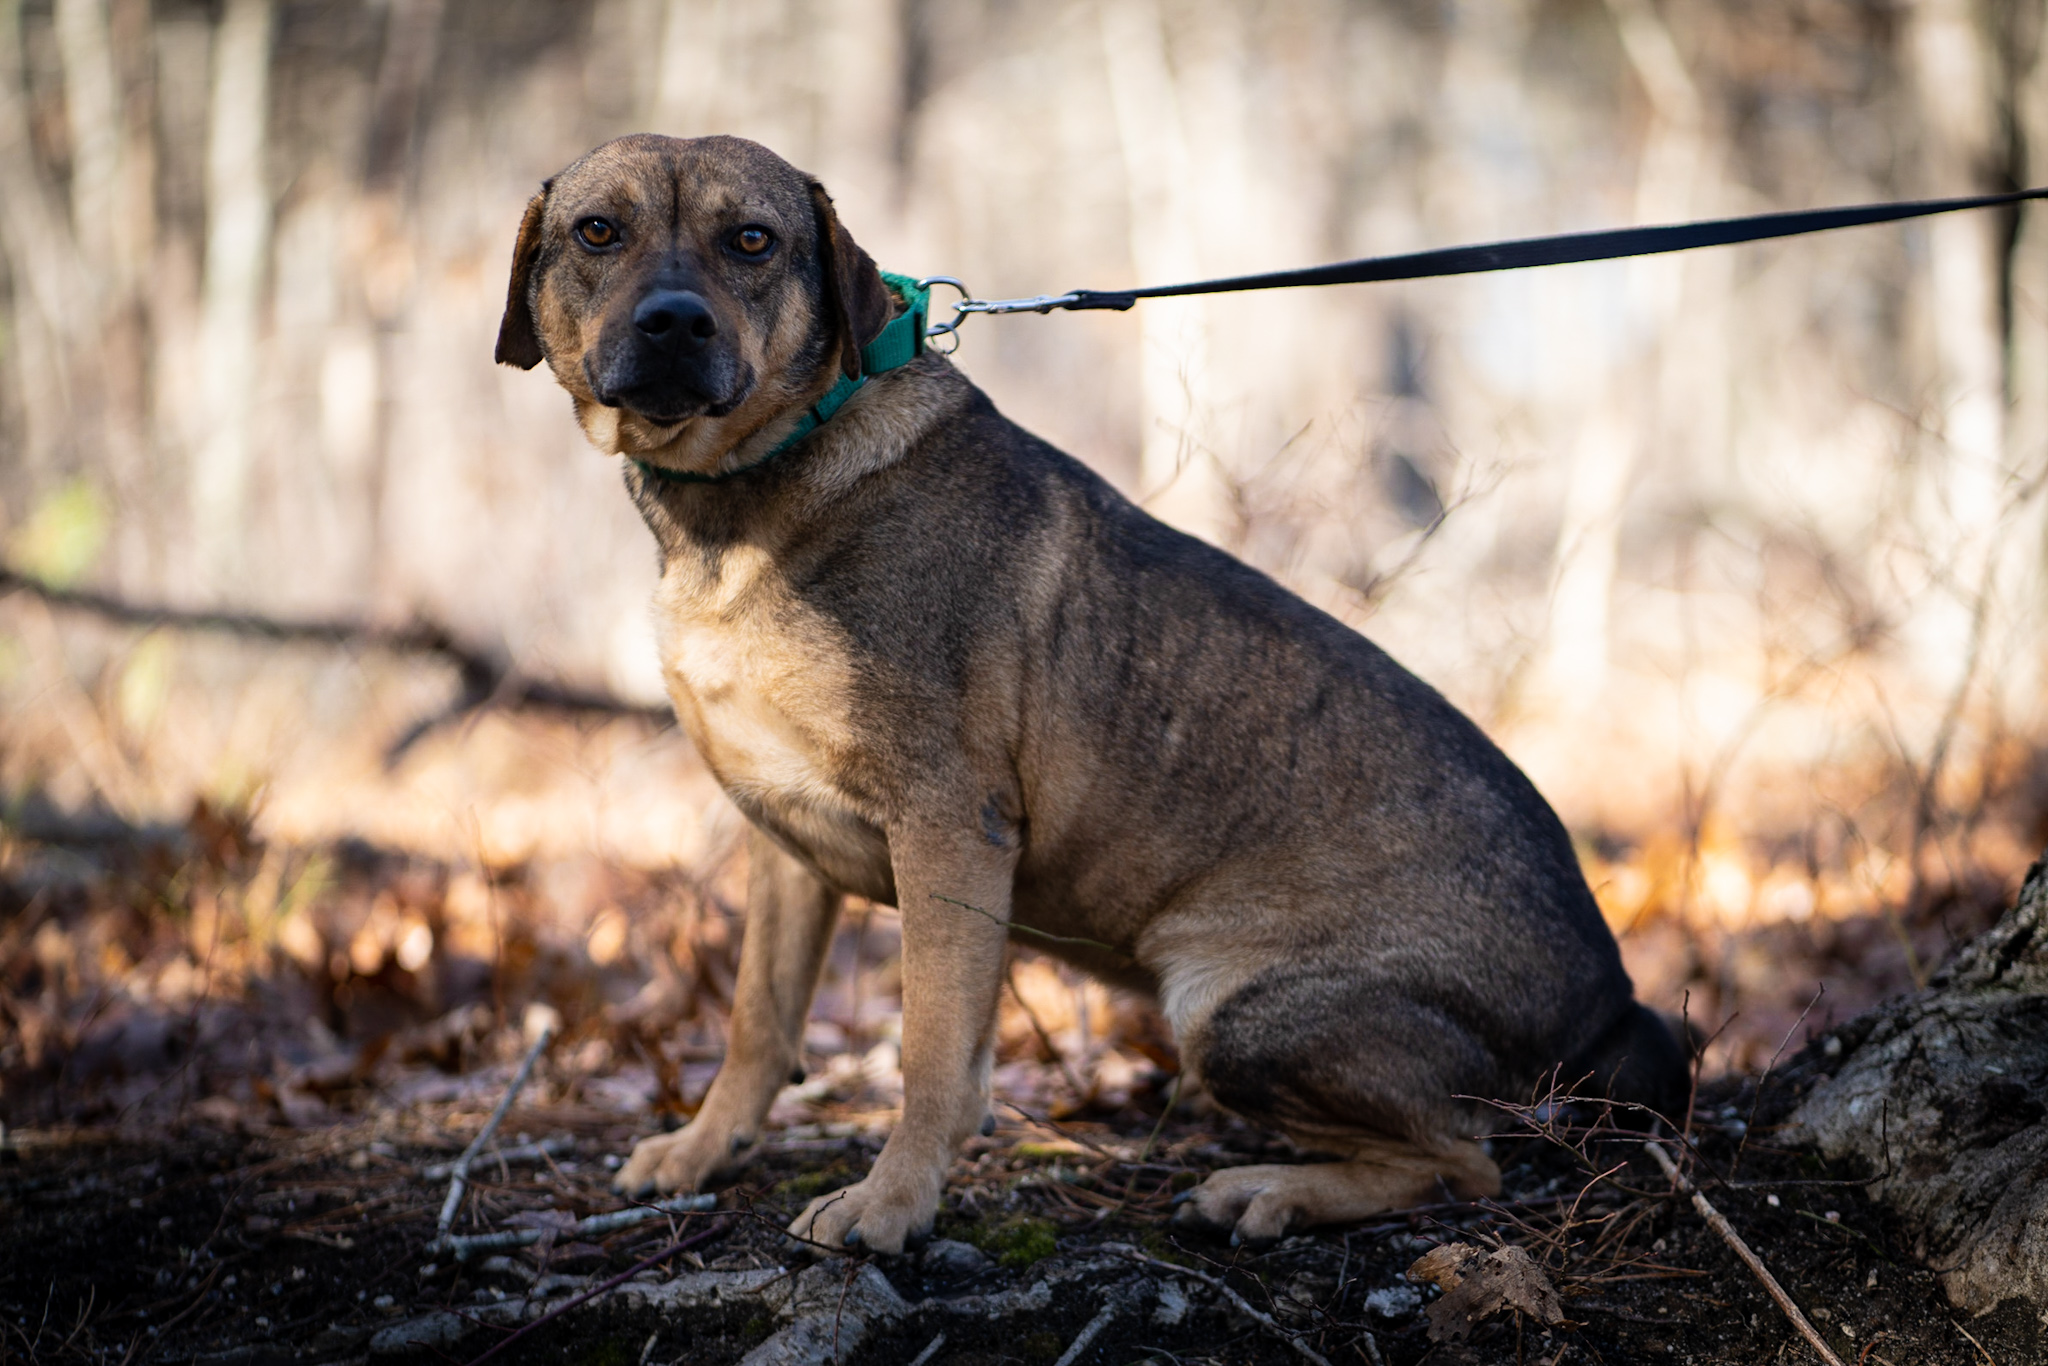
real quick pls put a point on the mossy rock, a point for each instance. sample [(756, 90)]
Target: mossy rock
[(1041, 1346), (806, 1186), (1016, 1242), (609, 1351)]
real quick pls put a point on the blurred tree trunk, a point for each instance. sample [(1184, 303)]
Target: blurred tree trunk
[(368, 358), (686, 85), (2023, 676), (92, 111), (1178, 474), (238, 225), (113, 224), (1949, 60), (44, 274), (1652, 398)]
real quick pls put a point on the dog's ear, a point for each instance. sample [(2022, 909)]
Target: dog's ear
[(860, 304), (518, 342)]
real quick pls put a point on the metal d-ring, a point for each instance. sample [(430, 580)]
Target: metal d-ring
[(960, 311)]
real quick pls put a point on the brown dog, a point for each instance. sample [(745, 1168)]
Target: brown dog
[(941, 665)]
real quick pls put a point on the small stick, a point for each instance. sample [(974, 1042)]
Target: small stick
[(1749, 1123), (718, 1226), (460, 1179), (1244, 1307), (1720, 1225), (931, 1350), (1044, 1039), (1966, 1333), (596, 1225), (1088, 1333), (523, 1152)]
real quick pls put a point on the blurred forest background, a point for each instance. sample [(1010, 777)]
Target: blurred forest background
[(1741, 553)]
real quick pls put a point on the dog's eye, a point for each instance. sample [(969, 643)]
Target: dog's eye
[(752, 241), (597, 233)]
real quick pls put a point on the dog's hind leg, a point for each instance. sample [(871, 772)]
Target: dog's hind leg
[(1260, 1203), (790, 915), (1347, 1065)]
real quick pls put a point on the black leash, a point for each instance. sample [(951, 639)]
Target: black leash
[(1565, 249)]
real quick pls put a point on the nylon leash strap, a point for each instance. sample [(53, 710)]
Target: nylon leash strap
[(1518, 254)]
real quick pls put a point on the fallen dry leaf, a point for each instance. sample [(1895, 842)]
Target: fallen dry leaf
[(1477, 1286), (1443, 1266)]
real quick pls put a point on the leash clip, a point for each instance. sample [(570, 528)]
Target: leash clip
[(1037, 303), (967, 305)]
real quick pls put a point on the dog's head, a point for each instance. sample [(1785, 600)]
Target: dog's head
[(685, 292)]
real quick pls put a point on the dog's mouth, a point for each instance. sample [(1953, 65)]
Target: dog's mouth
[(672, 404), (665, 412)]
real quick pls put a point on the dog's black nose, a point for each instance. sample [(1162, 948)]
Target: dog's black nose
[(675, 320)]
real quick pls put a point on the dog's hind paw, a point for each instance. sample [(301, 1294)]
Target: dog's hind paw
[(1260, 1203), (1254, 1204)]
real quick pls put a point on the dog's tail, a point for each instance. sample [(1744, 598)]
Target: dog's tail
[(1638, 1061)]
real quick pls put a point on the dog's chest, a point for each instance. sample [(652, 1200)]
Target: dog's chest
[(762, 684)]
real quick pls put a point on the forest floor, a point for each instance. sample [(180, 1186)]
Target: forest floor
[(230, 1072), (209, 1246)]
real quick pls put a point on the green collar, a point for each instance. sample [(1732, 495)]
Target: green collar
[(899, 343)]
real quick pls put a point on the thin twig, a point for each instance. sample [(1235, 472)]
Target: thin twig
[(718, 1226), (460, 1179), (595, 1226), (1014, 928), (1735, 1165), (1244, 1306), (1138, 1166), (1717, 1222), (1973, 1342), (523, 1152), (931, 1349), (1038, 1028), (1091, 1330)]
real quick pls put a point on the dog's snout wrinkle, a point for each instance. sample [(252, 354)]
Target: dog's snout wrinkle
[(675, 319)]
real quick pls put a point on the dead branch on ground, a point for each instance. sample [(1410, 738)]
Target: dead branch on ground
[(1719, 1223)]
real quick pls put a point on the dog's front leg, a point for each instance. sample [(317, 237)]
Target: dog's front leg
[(790, 915), (953, 888)]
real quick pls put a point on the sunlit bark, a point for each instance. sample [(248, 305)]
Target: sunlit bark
[(44, 274), (92, 109), (237, 249), (1177, 463)]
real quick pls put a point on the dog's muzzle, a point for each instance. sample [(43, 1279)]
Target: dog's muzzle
[(669, 362)]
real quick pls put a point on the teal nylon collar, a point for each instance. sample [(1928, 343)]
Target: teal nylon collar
[(898, 344)]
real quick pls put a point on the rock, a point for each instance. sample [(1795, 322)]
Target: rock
[(1173, 1305), (1943, 1096), (439, 1329), (950, 1260), (1394, 1301)]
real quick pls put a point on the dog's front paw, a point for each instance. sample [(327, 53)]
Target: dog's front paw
[(681, 1161), (878, 1215)]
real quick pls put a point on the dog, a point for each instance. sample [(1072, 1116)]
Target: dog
[(941, 665)]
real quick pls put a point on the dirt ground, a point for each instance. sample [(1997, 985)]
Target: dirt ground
[(197, 1244), (227, 1071)]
